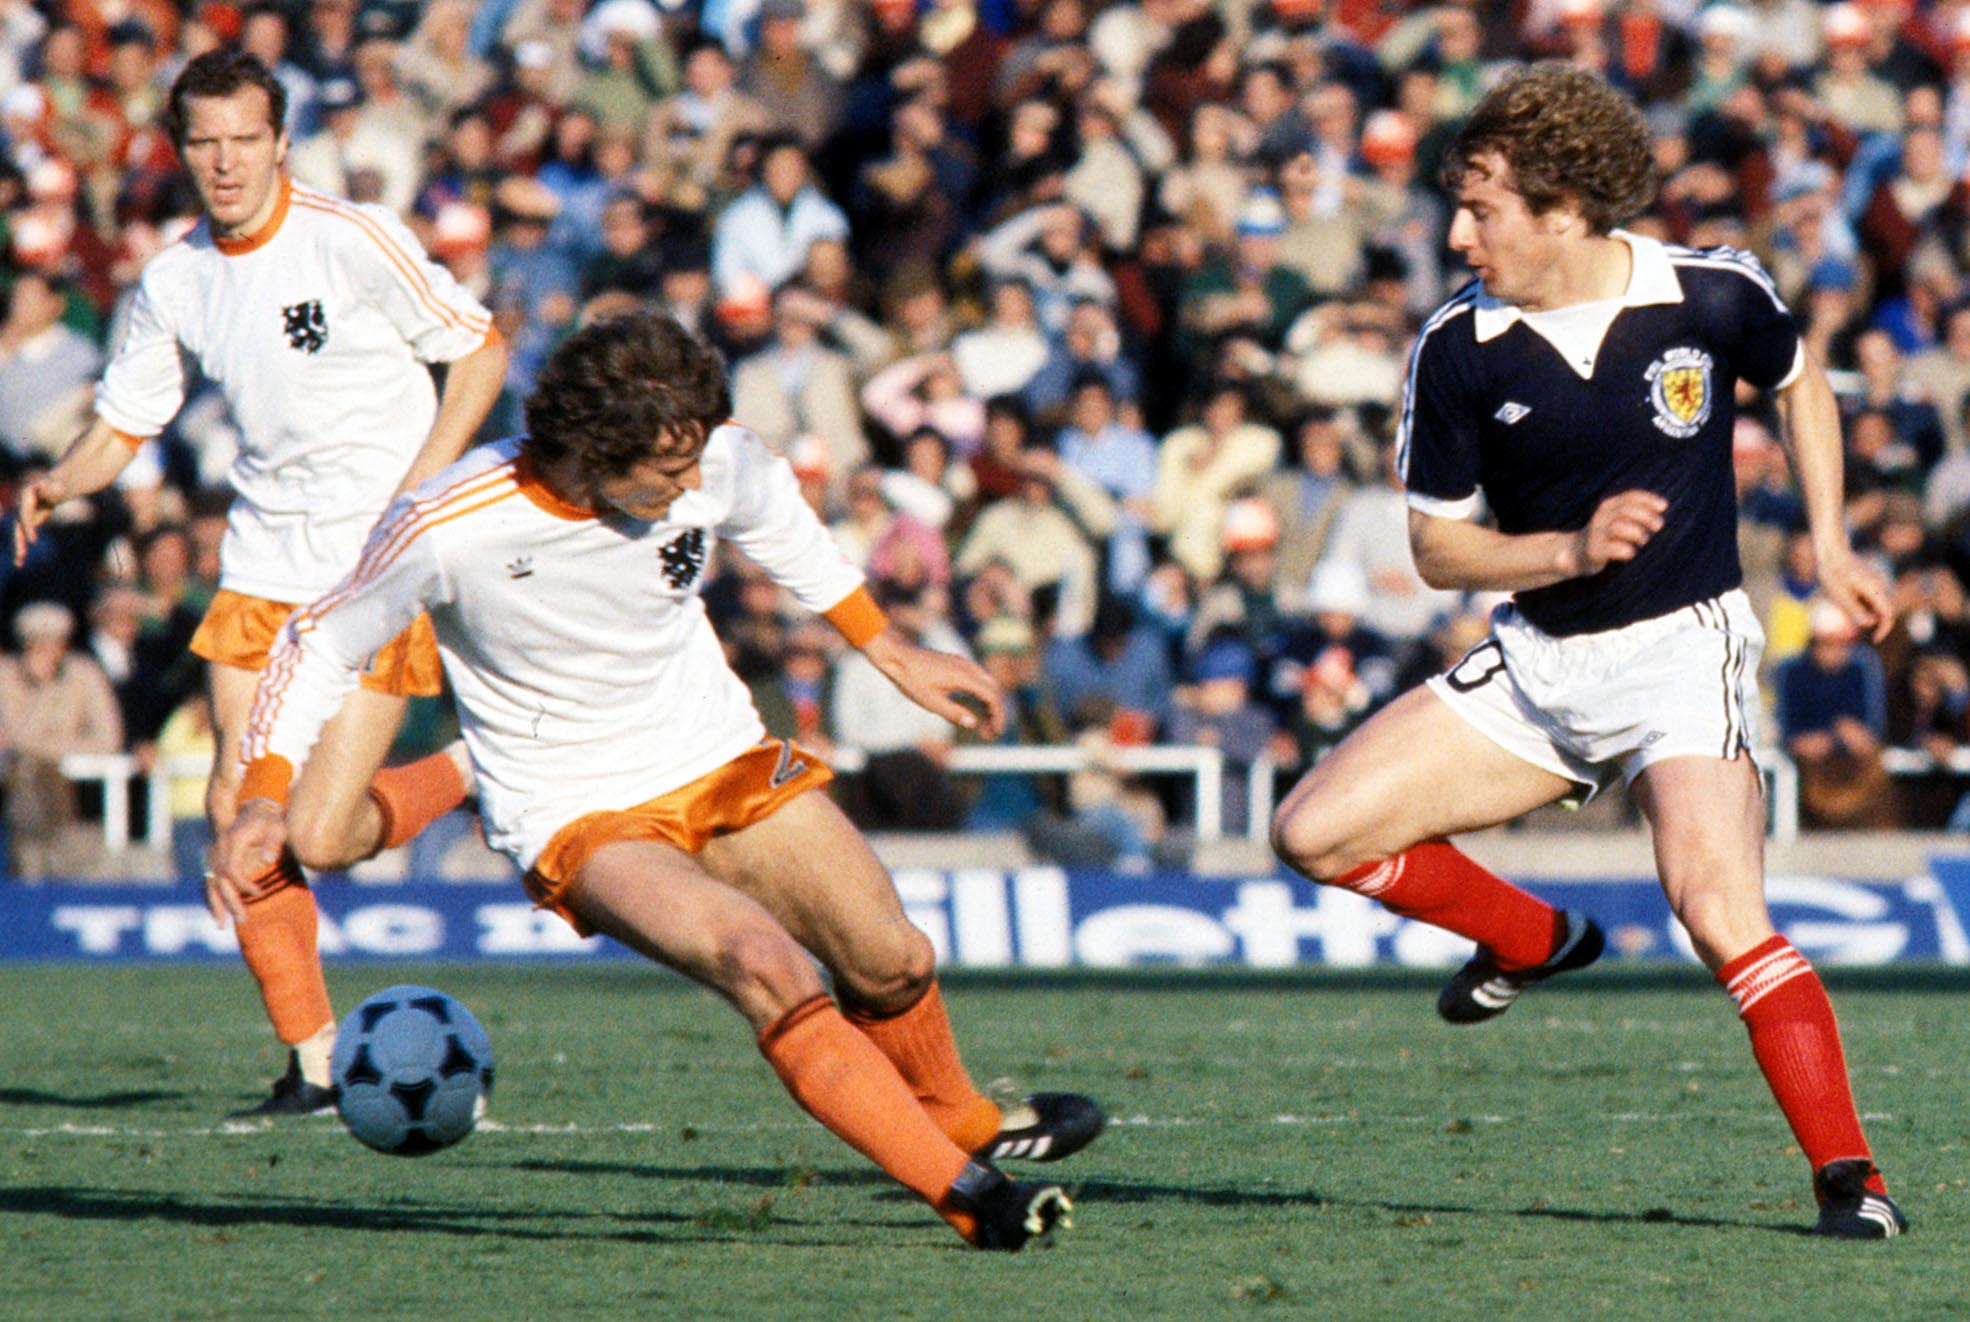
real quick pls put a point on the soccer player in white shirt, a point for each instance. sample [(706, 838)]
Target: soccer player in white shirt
[(316, 317), (621, 764)]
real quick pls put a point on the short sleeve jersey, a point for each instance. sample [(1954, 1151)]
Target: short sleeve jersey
[(584, 670), (1544, 416), (317, 330)]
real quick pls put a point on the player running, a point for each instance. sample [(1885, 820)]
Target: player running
[(621, 765), (1582, 388), (316, 317)]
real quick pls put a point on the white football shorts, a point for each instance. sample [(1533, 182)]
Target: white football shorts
[(1584, 706)]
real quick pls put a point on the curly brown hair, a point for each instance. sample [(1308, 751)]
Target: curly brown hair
[(622, 390), (1565, 135), (220, 73)]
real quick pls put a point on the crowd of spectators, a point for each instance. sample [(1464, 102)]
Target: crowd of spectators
[(1083, 323)]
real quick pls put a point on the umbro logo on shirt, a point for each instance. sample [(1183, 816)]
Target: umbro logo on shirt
[(523, 567), (1510, 412)]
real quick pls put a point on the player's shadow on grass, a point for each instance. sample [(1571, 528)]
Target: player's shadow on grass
[(108, 1101), (1124, 1192), (716, 1225), (220, 1217), (760, 1177)]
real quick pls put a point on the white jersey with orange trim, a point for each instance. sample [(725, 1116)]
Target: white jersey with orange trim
[(586, 674), (317, 329)]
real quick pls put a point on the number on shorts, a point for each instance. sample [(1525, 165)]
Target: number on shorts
[(1477, 666)]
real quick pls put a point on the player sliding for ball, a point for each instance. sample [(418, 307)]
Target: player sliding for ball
[(620, 762), (1583, 385)]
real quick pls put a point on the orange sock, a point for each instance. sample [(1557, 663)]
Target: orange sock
[(414, 795), (278, 941), (919, 1044), (840, 1079)]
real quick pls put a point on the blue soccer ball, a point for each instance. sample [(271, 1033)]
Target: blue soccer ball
[(413, 1071)]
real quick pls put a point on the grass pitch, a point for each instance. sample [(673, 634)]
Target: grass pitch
[(1316, 1145)]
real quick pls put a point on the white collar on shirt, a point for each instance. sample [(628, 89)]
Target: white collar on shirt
[(1577, 331)]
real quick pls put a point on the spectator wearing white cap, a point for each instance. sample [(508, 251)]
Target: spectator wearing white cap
[(1785, 31), (550, 29), (1832, 708), (630, 68), (52, 703), (1250, 290), (1723, 56), (1333, 671), (1855, 97)]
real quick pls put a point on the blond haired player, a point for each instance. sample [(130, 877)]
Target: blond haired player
[(622, 767), (316, 317)]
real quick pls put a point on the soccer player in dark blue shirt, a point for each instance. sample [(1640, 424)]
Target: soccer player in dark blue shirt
[(1582, 390)]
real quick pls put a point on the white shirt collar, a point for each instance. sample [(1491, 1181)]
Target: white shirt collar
[(1651, 280)]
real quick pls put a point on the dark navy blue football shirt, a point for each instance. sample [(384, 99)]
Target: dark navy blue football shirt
[(1633, 393)]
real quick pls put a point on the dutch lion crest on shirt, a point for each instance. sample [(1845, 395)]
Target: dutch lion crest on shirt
[(306, 325), (683, 556), (1680, 391)]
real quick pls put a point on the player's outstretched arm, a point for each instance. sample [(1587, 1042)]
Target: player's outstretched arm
[(1812, 437), (90, 463), (246, 849), (1461, 555), (935, 681), (472, 386)]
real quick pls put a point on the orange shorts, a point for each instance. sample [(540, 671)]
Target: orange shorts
[(749, 788), (239, 630)]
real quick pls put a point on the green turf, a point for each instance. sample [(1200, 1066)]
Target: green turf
[(1311, 1146)]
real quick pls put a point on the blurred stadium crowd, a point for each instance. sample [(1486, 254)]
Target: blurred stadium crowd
[(1083, 323)]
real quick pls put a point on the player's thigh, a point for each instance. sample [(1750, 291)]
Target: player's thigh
[(334, 786), (810, 866), (231, 689), (1416, 771), (1706, 817), (662, 903)]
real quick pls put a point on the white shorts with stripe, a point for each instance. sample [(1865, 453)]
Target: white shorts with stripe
[(1588, 705)]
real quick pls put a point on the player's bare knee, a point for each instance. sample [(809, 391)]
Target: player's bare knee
[(1712, 917), (320, 840), (758, 967), (1303, 843), (892, 986)]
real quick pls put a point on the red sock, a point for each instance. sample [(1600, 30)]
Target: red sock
[(1437, 883), (918, 1042), (414, 795), (278, 941), (841, 1079), (1797, 1043)]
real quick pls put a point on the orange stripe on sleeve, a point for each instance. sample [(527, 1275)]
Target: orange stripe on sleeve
[(414, 278), (134, 442), (857, 617), (268, 777)]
